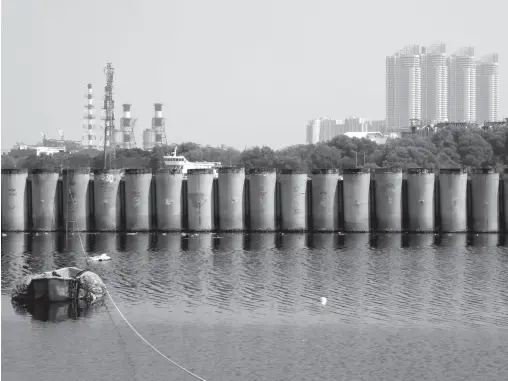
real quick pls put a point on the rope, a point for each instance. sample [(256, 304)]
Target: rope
[(127, 321)]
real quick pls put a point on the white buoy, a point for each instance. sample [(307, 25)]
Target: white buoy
[(100, 258), (323, 300)]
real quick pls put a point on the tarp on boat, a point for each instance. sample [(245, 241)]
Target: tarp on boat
[(68, 283)]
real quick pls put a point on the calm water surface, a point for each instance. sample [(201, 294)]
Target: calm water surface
[(246, 307)]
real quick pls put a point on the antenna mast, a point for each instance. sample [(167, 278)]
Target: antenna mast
[(109, 113)]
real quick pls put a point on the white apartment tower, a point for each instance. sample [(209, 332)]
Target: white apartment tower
[(313, 131), (487, 89), (403, 87), (434, 84), (462, 86)]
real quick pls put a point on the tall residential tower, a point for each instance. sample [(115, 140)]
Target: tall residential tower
[(434, 84), (403, 87), (487, 89), (462, 86)]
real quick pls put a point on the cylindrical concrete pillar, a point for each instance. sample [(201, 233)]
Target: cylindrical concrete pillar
[(14, 200), (200, 200), (168, 195), (505, 184), (356, 192), (388, 199), (76, 206), (107, 201), (420, 199), (485, 200), (138, 199), (325, 200), (231, 185), (293, 200), (453, 199), (262, 199), (45, 199)]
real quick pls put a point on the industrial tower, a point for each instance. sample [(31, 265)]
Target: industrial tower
[(125, 136), (155, 136), (109, 116), (89, 138)]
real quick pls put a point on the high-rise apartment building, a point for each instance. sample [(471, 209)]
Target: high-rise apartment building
[(487, 89), (434, 84), (403, 87), (462, 86)]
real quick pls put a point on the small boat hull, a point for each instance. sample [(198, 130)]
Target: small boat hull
[(52, 289)]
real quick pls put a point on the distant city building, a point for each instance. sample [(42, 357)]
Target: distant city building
[(487, 89), (462, 86), (403, 86), (376, 137), (324, 129), (378, 125), (434, 84), (355, 124)]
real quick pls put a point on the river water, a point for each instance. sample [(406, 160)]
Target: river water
[(247, 307)]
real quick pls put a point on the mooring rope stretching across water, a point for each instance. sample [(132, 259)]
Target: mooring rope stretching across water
[(126, 320)]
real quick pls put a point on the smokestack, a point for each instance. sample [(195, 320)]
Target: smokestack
[(158, 110), (89, 138), (126, 110)]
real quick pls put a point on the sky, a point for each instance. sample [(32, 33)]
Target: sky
[(239, 73)]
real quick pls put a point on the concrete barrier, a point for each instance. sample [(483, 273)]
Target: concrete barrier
[(76, 199), (325, 200), (356, 194), (293, 200), (200, 200), (388, 196), (262, 208), (505, 199), (453, 199), (168, 194), (420, 199), (138, 199), (14, 200), (485, 202), (107, 200), (45, 201), (231, 184)]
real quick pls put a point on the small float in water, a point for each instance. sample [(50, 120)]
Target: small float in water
[(100, 258), (65, 284)]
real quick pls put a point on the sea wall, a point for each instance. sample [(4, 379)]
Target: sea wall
[(356, 200)]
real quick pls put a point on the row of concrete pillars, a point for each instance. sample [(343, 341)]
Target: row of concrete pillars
[(356, 200)]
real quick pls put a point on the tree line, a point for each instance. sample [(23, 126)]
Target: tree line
[(449, 147)]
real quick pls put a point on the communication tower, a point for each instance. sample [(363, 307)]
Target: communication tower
[(109, 116), (89, 138)]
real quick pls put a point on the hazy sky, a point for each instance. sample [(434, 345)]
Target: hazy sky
[(227, 71)]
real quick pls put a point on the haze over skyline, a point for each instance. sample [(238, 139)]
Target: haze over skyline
[(227, 72)]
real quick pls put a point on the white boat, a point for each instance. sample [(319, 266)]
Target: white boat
[(179, 161)]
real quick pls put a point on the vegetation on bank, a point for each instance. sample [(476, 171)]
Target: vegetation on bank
[(447, 148)]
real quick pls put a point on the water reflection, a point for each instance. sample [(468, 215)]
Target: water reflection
[(14, 247), (54, 312), (167, 242), (229, 241), (291, 241), (40, 250), (356, 241), (386, 241), (259, 241), (416, 241), (382, 279)]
